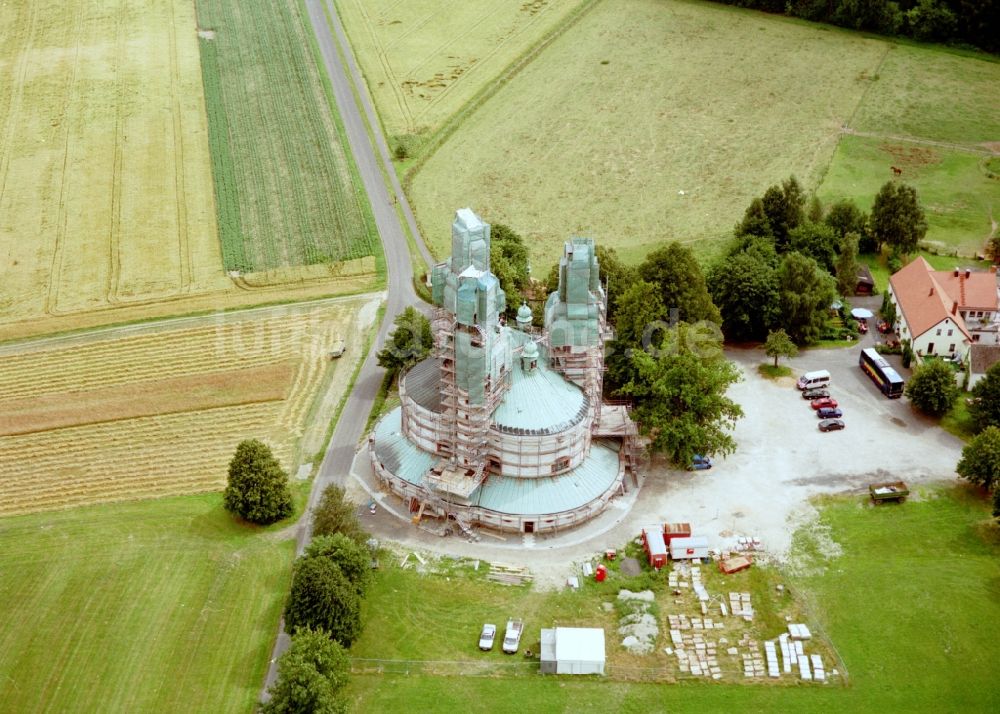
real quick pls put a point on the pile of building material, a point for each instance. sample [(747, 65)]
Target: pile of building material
[(739, 605), (753, 662), (509, 574), (638, 625), (695, 654)]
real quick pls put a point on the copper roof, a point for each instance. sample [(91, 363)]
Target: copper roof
[(922, 300)]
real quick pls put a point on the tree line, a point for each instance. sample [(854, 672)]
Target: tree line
[(965, 22)]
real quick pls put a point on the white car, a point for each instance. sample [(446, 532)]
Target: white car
[(486, 637)]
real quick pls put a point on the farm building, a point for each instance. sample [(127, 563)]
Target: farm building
[(572, 650), (504, 425)]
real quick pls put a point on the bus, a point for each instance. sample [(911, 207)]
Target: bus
[(876, 367)]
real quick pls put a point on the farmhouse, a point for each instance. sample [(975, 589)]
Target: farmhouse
[(944, 312), (572, 650), (504, 426)]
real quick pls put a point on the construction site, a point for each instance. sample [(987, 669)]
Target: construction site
[(504, 426)]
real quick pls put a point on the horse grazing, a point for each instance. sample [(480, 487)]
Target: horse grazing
[(896, 171)]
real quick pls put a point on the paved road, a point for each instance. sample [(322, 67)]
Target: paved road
[(340, 452)]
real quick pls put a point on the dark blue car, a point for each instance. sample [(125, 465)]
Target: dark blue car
[(829, 413), (700, 463)]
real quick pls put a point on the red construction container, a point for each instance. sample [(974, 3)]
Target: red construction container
[(656, 548), (601, 574), (676, 530)]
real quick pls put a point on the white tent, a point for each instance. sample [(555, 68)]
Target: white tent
[(573, 650)]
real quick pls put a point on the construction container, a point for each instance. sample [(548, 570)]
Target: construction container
[(676, 530), (689, 548), (655, 546)]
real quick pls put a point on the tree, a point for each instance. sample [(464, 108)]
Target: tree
[(637, 325), (745, 287), (985, 406), (806, 294), (980, 462), (509, 262), (335, 514), (845, 217), (680, 394), (352, 558), (755, 222), (932, 388), (322, 597), (779, 344), (783, 205), (847, 265), (410, 342), (817, 240), (312, 675), (897, 219), (257, 490), (617, 277), (675, 272)]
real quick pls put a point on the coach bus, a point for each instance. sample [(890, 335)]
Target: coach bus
[(876, 367)]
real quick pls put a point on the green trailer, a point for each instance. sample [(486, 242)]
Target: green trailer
[(888, 491)]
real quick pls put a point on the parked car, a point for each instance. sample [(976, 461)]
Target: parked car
[(486, 637), (829, 413), (831, 425), (815, 394), (700, 463), (828, 402)]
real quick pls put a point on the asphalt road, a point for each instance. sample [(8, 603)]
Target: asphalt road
[(336, 465)]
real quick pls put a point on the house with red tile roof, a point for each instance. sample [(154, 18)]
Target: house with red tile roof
[(944, 312)]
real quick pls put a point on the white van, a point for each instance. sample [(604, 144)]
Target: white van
[(814, 380)]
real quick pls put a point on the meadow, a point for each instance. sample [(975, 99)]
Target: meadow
[(284, 185), (162, 605), (161, 412), (905, 604)]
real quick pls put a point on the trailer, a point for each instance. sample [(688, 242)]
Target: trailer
[(512, 636), (654, 545), (694, 548), (888, 491)]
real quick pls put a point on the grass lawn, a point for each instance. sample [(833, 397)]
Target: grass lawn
[(613, 131), (905, 604), (958, 421), (772, 372), (164, 605)]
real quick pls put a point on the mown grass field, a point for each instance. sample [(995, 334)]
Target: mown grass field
[(424, 61), (649, 121), (283, 177), (163, 605), (162, 411), (907, 605)]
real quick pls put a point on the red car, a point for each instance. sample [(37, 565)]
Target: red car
[(824, 402)]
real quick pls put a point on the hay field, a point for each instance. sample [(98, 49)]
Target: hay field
[(283, 175), (161, 412), (636, 103), (423, 61), (166, 605)]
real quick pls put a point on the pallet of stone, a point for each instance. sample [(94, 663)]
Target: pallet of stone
[(799, 632), (786, 655), (804, 670), (772, 659), (819, 673)]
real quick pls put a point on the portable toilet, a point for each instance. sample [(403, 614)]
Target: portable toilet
[(655, 546)]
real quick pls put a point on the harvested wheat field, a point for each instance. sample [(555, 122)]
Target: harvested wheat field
[(161, 411)]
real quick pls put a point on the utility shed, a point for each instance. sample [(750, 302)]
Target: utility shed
[(688, 548), (572, 650)]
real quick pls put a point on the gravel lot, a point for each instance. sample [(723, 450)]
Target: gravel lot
[(762, 490)]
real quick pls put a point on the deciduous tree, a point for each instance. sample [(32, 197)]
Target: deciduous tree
[(932, 388), (257, 489), (352, 558), (980, 462), (847, 265), (745, 288), (312, 674), (807, 292), (985, 406), (617, 277), (322, 597), (897, 219), (509, 262), (817, 240), (779, 344), (335, 514), (681, 283), (410, 342), (680, 394)]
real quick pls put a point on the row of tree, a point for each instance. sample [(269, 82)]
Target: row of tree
[(972, 22)]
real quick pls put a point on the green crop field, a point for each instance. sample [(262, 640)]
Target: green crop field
[(284, 182), (164, 605), (909, 605)]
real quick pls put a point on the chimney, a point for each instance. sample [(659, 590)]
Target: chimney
[(954, 307), (968, 272), (956, 271)]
